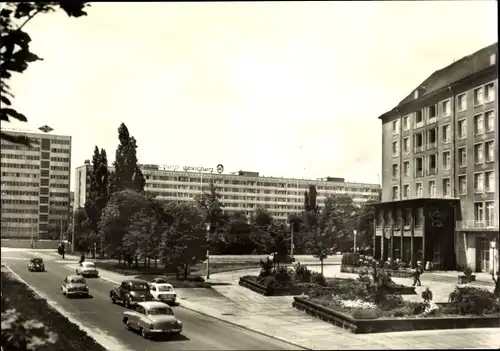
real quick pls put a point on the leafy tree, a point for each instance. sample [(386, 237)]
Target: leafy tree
[(278, 243), (15, 54), (209, 204), (117, 217), (311, 208), (238, 236), (98, 194), (184, 241), (127, 174), (262, 218), (365, 218), (81, 230)]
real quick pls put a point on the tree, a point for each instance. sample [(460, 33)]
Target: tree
[(184, 243), (365, 218), (81, 230), (262, 218), (209, 204), (15, 54), (117, 217), (278, 243), (98, 194), (127, 173), (311, 208), (238, 238)]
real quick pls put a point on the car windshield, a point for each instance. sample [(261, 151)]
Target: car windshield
[(159, 280), (160, 311), (89, 265), (36, 260), (139, 286), (165, 288), (77, 280)]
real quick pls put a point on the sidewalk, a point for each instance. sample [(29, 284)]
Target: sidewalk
[(275, 317)]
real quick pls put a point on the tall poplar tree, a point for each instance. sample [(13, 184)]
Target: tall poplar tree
[(127, 174), (98, 194)]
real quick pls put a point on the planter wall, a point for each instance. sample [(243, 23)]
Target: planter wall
[(267, 291), (363, 326), (392, 272), (465, 279)]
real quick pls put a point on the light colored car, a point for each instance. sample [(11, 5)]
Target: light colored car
[(163, 292), (152, 318), (87, 269), (75, 285)]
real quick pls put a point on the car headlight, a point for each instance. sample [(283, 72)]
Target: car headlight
[(151, 326)]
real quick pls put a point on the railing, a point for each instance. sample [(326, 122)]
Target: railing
[(472, 224)]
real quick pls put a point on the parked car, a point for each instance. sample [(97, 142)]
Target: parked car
[(87, 269), (163, 292), (36, 265), (130, 292), (75, 285), (152, 318)]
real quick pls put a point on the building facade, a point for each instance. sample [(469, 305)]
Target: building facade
[(241, 192), (440, 169), (35, 186)]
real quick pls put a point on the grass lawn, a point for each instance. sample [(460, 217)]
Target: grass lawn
[(28, 322)]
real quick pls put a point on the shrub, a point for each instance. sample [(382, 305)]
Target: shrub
[(390, 302), (467, 271), (269, 281), (266, 267), (302, 273), (284, 276), (366, 313), (318, 278), (471, 300), (365, 277), (427, 295), (349, 289), (350, 259)]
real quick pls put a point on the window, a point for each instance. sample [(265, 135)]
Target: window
[(395, 171), (419, 119), (489, 213), (418, 141), (462, 157), (462, 129), (406, 145), (446, 133), (489, 151), (432, 166), (478, 212), (395, 127), (478, 153), (432, 113), (489, 181), (478, 96), (406, 123), (478, 182), (489, 116), (462, 102), (419, 167), (395, 192), (406, 168), (446, 108), (406, 191), (418, 189), (432, 137), (462, 184), (395, 148), (432, 188), (478, 124), (489, 92), (446, 160), (446, 187)]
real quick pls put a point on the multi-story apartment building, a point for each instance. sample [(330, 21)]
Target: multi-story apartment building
[(440, 169), (35, 186), (242, 192)]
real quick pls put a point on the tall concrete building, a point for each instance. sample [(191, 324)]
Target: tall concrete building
[(35, 186), (440, 169), (241, 191)]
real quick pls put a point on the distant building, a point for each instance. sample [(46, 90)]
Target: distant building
[(35, 186), (440, 168), (241, 191)]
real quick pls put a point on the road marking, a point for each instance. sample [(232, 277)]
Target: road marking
[(107, 341), (65, 261)]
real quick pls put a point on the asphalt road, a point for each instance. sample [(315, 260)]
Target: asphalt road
[(98, 313)]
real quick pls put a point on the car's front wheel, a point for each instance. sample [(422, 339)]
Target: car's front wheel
[(144, 334), (126, 303)]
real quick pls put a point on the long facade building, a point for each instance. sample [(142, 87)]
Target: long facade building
[(440, 169), (35, 186), (241, 191)]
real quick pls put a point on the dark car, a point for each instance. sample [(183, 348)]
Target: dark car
[(130, 292), (36, 265)]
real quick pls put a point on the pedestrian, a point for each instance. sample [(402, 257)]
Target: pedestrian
[(82, 258), (416, 276)]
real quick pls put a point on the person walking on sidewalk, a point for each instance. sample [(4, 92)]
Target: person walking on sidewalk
[(416, 276)]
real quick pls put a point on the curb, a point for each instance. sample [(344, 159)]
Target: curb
[(97, 338), (245, 327)]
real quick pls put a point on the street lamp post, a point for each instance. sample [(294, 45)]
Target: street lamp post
[(291, 239), (208, 226), (355, 232)]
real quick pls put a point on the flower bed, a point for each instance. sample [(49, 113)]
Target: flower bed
[(252, 283), (367, 308)]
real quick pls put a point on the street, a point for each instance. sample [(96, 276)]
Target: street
[(98, 313)]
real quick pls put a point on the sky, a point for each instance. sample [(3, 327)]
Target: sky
[(290, 89)]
